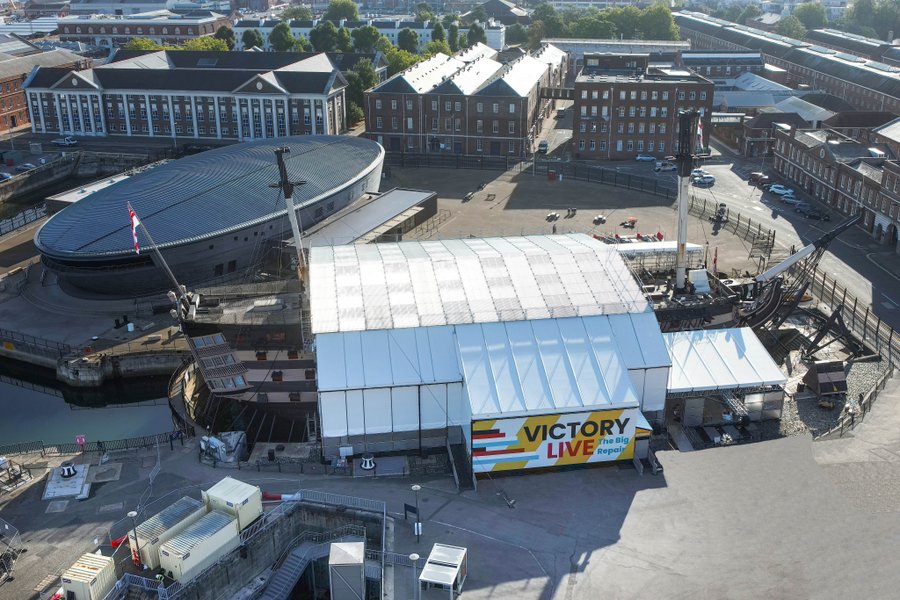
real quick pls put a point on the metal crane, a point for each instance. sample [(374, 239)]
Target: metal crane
[(780, 289)]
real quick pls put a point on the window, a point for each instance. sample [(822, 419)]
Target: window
[(652, 111), (602, 145), (409, 123), (393, 105), (650, 146), (606, 94), (378, 103), (479, 126), (479, 107), (479, 145), (447, 105), (662, 146), (393, 122), (665, 95), (640, 147), (457, 106), (634, 94), (434, 124), (584, 94), (703, 95), (496, 107), (630, 146), (593, 145), (643, 94), (620, 128), (631, 128), (457, 124), (447, 124), (582, 128), (434, 105), (512, 108), (604, 127), (621, 111), (512, 147), (225, 131), (621, 94), (618, 145), (693, 95), (631, 110), (664, 111), (643, 112), (595, 94), (496, 126), (654, 95), (640, 128), (681, 95), (652, 128), (662, 129), (512, 127), (581, 144)]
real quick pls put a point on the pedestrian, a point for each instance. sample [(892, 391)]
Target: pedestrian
[(554, 228)]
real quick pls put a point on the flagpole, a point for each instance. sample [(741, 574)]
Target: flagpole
[(162, 261)]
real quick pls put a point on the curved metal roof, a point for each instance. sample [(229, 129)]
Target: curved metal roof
[(206, 195)]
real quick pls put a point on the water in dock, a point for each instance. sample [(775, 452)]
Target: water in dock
[(36, 407)]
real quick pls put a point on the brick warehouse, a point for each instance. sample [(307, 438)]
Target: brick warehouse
[(624, 107), (469, 103), (13, 72)]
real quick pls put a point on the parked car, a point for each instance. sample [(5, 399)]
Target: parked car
[(662, 165), (24, 167), (699, 173), (66, 141), (645, 158), (703, 180), (560, 113), (754, 177), (780, 190), (543, 146), (815, 214), (5, 176), (792, 200), (764, 180), (801, 206)]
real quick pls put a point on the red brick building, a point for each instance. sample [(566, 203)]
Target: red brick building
[(14, 71), (623, 107)]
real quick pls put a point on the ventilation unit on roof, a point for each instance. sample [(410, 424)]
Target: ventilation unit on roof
[(876, 153)]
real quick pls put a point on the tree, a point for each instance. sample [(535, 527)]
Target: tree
[(453, 37), (226, 34), (297, 13), (408, 40), (281, 39), (355, 114), (344, 41), (516, 34), (251, 38), (791, 27), (554, 26), (324, 36), (656, 23), (449, 19), (142, 44), (476, 35), (535, 34), (811, 15), (399, 60), (433, 47), (437, 34), (591, 28), (301, 44), (626, 19), (359, 79), (423, 12), (478, 15), (733, 12), (205, 44), (751, 11), (341, 9), (364, 38)]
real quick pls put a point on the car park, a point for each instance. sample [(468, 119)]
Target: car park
[(703, 180), (645, 158), (780, 190), (22, 168), (662, 165), (543, 146)]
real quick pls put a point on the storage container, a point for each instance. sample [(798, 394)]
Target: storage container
[(163, 526), (236, 498), (187, 554)]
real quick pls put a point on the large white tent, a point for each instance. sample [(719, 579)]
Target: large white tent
[(484, 334)]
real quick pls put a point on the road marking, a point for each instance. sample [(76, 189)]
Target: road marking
[(890, 301), (757, 208)]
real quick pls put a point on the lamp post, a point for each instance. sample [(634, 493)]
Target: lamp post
[(416, 487), (415, 561), (132, 514)]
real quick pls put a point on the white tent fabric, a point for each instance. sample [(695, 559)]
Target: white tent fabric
[(386, 358), (549, 365), (720, 359), (419, 284)]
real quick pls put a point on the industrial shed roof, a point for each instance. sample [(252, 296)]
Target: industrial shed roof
[(207, 194), (720, 359), (188, 539), (478, 280), (168, 518)]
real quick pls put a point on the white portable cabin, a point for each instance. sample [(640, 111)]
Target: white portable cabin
[(346, 570), (163, 526), (91, 577), (199, 546), (241, 500)]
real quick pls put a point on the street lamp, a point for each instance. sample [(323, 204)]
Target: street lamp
[(415, 561), (136, 557), (416, 487)]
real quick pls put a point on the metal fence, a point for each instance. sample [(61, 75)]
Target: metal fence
[(22, 219), (147, 441), (763, 240), (850, 418), (13, 340), (858, 317)]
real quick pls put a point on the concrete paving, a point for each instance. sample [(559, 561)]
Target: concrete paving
[(777, 519)]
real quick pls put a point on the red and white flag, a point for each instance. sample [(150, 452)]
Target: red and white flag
[(134, 226)]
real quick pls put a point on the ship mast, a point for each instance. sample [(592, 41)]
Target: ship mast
[(687, 123)]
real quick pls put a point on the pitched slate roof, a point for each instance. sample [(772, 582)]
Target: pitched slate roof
[(422, 77), (11, 66), (767, 120)]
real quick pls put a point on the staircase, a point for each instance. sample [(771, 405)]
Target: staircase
[(312, 546), (459, 459)]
